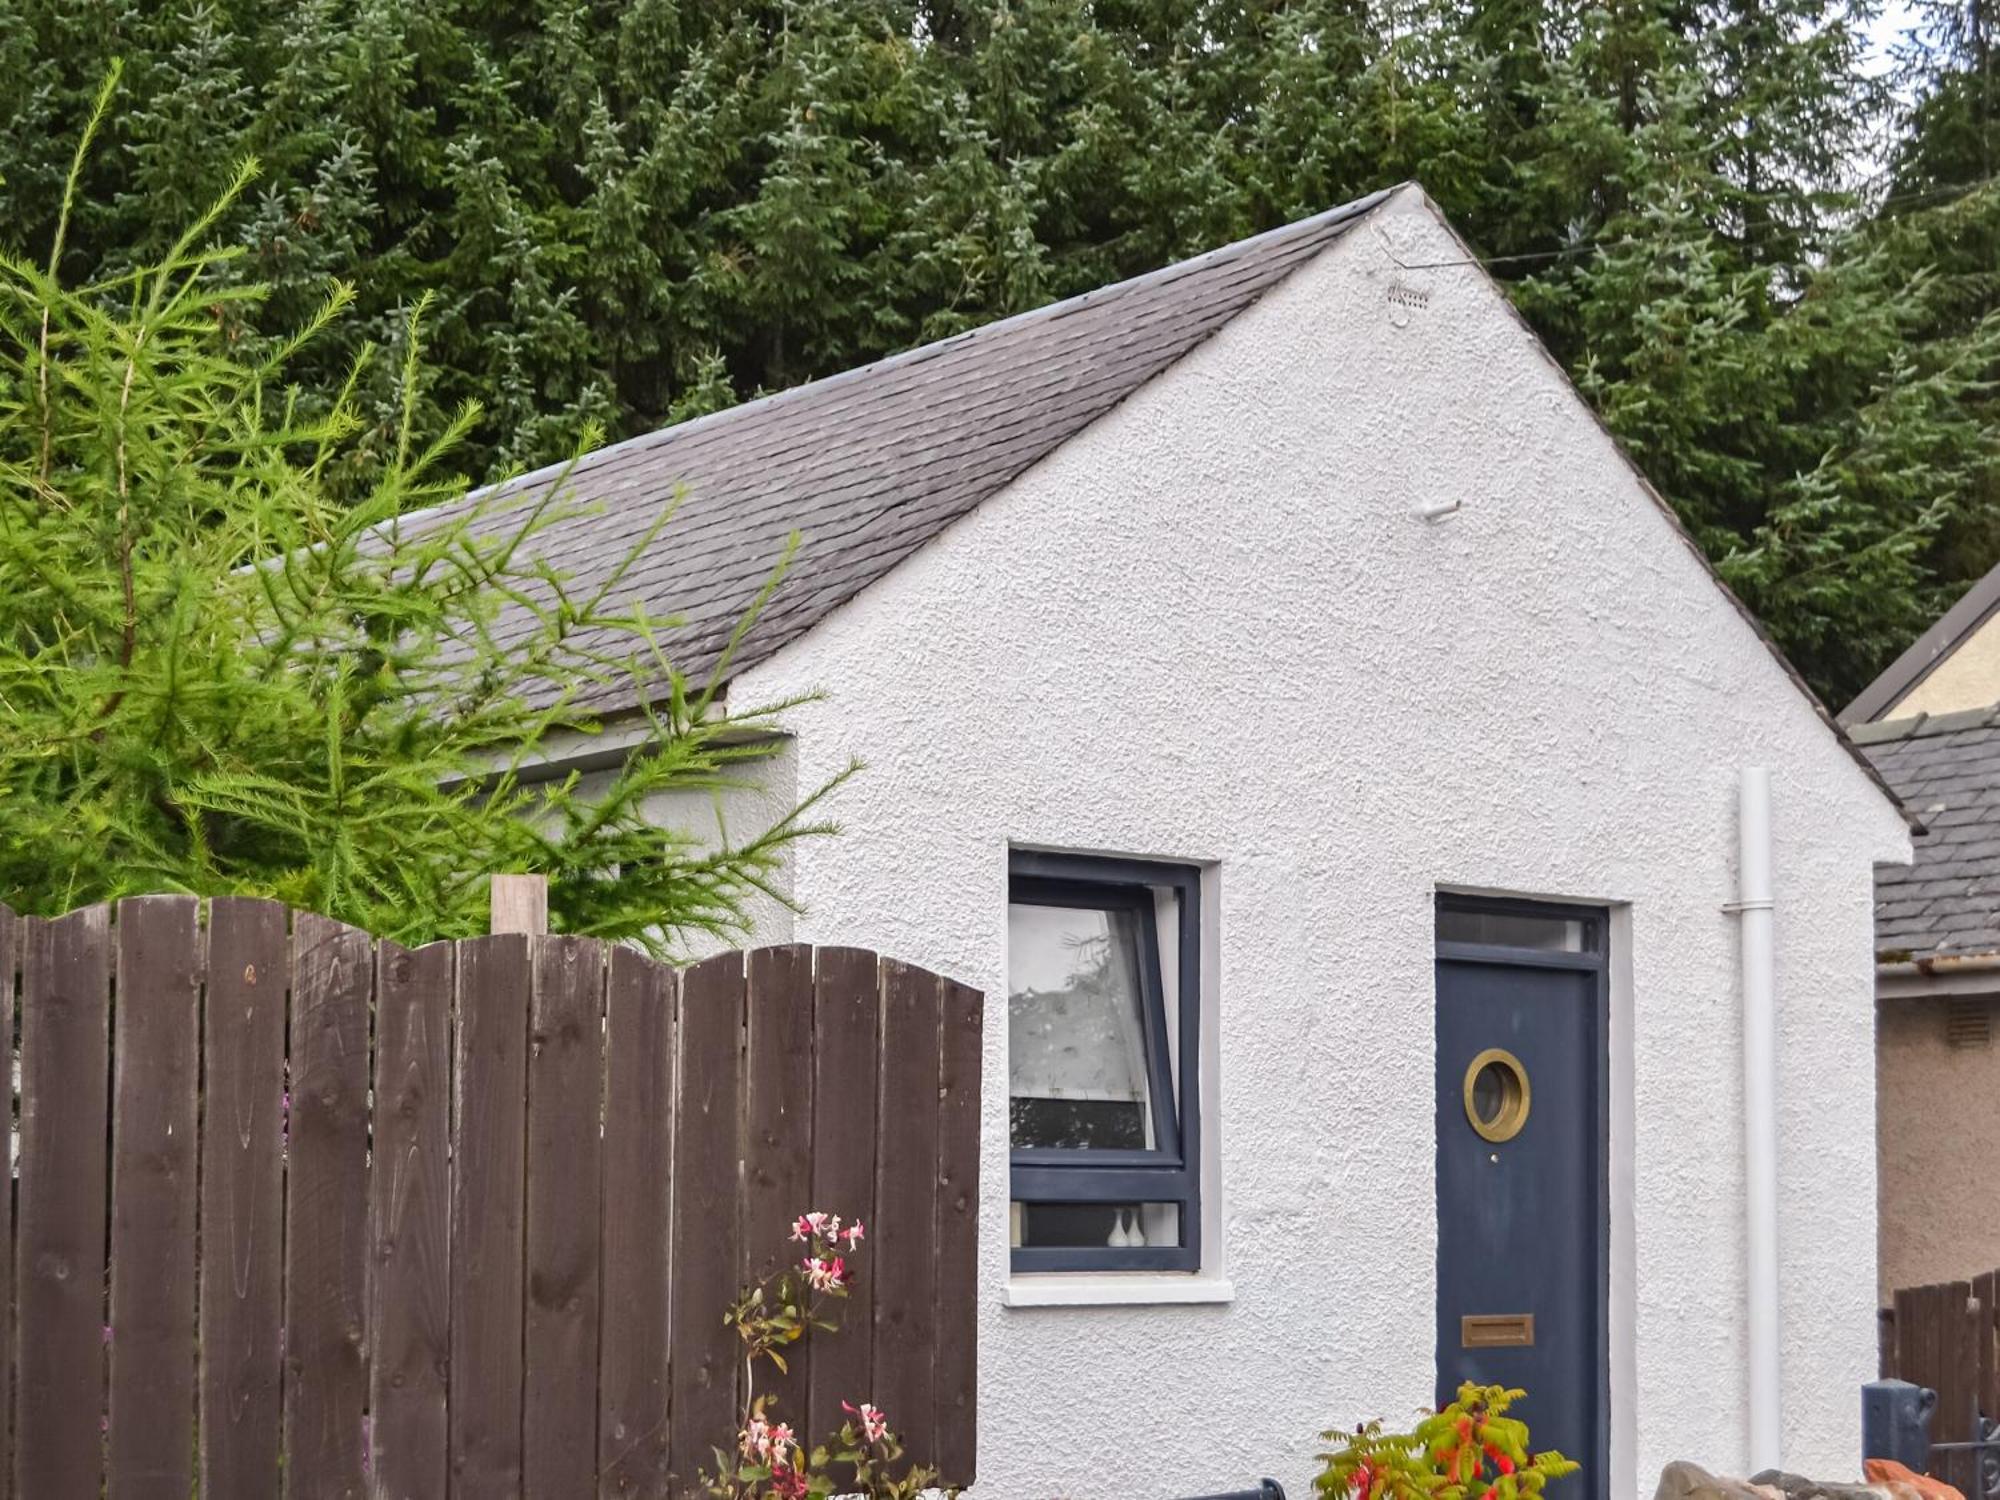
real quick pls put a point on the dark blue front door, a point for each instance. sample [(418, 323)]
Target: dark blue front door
[(1520, 1177)]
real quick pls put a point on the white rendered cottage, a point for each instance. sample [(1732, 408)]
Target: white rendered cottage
[(1281, 697)]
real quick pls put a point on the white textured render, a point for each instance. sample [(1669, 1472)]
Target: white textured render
[(1214, 628)]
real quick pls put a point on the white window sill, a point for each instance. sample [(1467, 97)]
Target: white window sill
[(1113, 1289)]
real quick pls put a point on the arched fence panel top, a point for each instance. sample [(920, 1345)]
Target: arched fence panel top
[(460, 1220)]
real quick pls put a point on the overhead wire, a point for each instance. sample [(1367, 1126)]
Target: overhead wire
[(1625, 242)]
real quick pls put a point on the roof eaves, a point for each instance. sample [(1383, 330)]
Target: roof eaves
[(1903, 963)]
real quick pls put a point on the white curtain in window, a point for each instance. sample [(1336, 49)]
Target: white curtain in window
[(1075, 1024)]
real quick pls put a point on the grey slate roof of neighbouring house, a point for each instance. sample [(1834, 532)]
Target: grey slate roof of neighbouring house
[(1946, 768), (870, 464)]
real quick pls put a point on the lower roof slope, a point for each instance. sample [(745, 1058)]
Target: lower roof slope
[(1946, 769), (870, 464)]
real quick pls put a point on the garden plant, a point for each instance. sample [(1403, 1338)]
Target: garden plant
[(1471, 1450), (771, 1461)]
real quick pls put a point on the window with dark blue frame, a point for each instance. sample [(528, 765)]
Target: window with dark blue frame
[(1103, 1032)]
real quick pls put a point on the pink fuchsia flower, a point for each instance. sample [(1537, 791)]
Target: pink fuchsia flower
[(874, 1426)]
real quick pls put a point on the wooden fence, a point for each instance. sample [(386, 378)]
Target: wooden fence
[(299, 1213), (1947, 1336)]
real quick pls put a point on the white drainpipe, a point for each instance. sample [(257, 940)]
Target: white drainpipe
[(1760, 1111)]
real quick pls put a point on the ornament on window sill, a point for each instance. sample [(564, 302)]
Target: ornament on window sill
[(1127, 1229)]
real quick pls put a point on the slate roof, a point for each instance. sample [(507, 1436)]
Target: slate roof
[(870, 464), (1946, 769)]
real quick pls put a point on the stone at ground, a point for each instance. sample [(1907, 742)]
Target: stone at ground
[(1682, 1480), (1891, 1475), (1798, 1487)]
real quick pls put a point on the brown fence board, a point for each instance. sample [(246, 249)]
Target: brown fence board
[(707, 1232), (957, 1360), (846, 1070), (489, 1164), (326, 1212), (633, 1455), (1958, 1376), (242, 1198), (468, 1217), (155, 1063), (409, 1317), (1986, 1293), (906, 1207), (777, 1177), (10, 958), (1909, 1352), (565, 1076), (65, 1063)]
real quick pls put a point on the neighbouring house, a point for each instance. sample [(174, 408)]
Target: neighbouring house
[(1931, 724), (1280, 695)]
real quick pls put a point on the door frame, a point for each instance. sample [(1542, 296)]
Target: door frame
[(1595, 958)]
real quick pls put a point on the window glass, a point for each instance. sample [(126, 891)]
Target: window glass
[(1513, 929), (1102, 1049), (1091, 1226), (1492, 1087), (1076, 1029)]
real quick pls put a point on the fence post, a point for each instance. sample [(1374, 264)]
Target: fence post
[(521, 904)]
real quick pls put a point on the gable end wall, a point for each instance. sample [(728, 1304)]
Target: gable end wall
[(1213, 628)]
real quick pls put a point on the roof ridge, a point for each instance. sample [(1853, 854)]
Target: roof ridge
[(1063, 307)]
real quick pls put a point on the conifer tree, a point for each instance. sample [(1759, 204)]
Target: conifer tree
[(218, 674), (1773, 360), (631, 213)]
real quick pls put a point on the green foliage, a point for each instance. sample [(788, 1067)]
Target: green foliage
[(631, 213), (1471, 1450), (1950, 71), (218, 675)]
